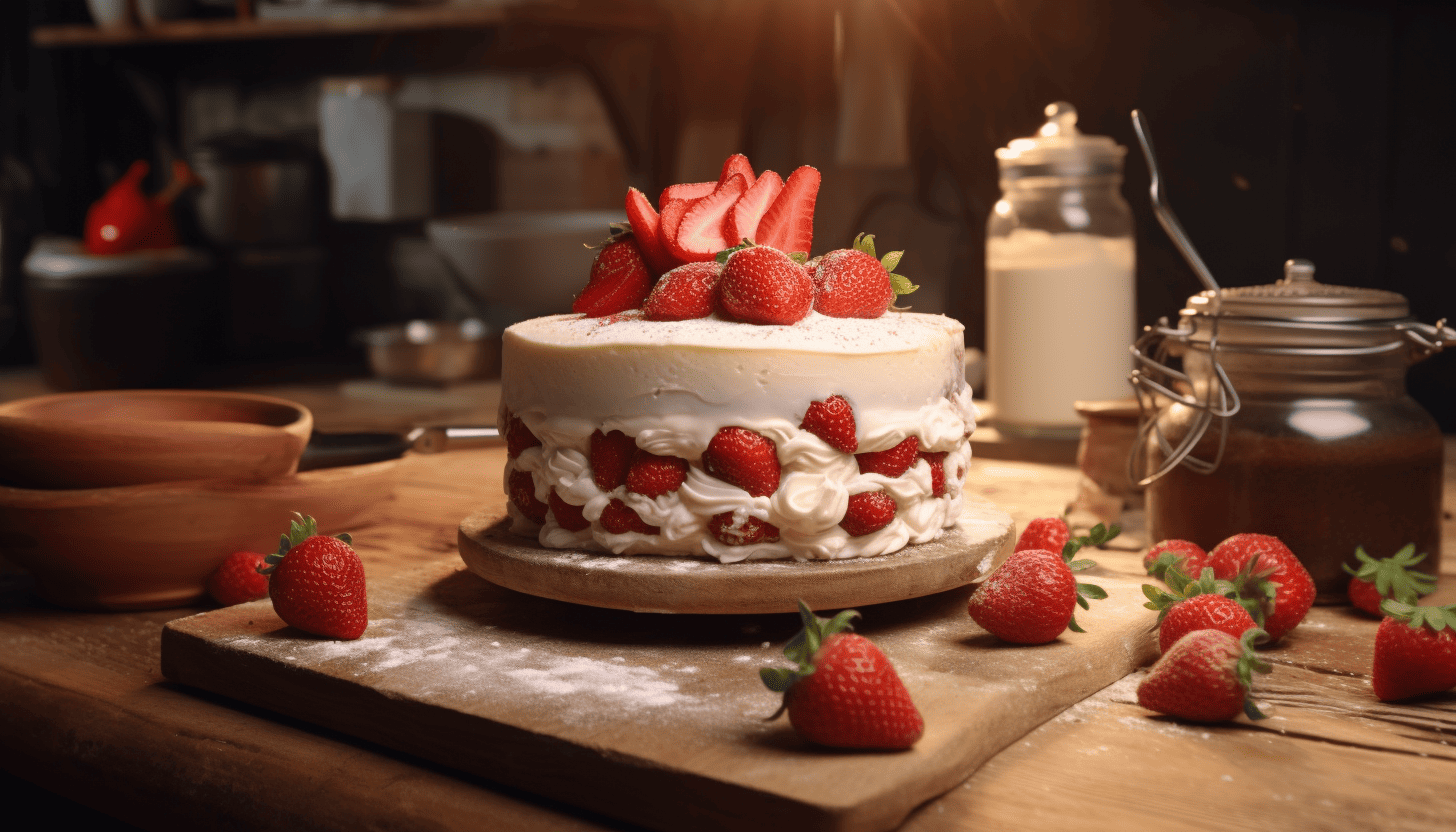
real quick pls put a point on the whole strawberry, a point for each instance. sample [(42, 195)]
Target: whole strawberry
[(1206, 603), (317, 582), (855, 283), (684, 293), (762, 285), (1265, 570), (1415, 651), (844, 693), (1205, 676), (1050, 533), (744, 458), (1392, 577), (619, 280), (1031, 598), (1185, 554), (236, 580)]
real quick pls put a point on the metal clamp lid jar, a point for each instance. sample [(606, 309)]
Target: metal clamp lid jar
[(1290, 417)]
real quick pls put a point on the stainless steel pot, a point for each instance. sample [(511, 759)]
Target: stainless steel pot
[(258, 191)]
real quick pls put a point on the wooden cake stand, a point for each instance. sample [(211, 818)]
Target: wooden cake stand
[(969, 551)]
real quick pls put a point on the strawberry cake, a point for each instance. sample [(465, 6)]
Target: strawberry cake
[(717, 393)]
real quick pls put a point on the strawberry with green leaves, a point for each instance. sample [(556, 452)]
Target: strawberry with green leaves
[(1032, 597), (1205, 603), (1415, 651), (1205, 676), (1185, 554), (317, 582), (843, 693), (1266, 571), (1375, 580), (855, 283)]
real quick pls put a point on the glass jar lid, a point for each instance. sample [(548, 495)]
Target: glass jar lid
[(1299, 313), (1060, 149)]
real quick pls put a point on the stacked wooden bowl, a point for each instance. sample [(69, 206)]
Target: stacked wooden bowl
[(129, 499)]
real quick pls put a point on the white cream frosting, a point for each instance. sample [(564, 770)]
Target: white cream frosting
[(672, 386)]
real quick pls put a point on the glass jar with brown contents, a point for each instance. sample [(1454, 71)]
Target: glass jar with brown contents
[(1291, 418)]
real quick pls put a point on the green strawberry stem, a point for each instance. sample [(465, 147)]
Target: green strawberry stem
[(1393, 576), (1250, 662), (1181, 588), (801, 649), (299, 529), (1436, 618), (899, 284), (1096, 536)]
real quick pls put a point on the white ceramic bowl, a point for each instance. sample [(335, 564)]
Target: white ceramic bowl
[(535, 262)]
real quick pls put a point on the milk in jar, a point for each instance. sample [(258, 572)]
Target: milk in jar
[(1060, 296)]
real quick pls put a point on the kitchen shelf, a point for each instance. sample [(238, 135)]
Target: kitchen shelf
[(601, 17)]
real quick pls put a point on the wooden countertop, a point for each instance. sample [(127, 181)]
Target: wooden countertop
[(88, 715)]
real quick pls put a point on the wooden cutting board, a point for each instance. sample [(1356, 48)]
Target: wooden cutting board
[(656, 719)]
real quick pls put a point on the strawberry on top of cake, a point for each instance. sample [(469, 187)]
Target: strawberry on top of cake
[(716, 392)]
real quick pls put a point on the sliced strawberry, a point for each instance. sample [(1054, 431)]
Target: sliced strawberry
[(735, 530), (619, 280), (567, 516), (699, 235), (833, 421), (761, 285), (869, 511), (743, 220), (891, 462), (644, 221), (736, 164), (522, 491), (684, 293), (936, 459), (619, 518), (741, 457), (653, 476), (788, 224), (610, 457), (687, 190)]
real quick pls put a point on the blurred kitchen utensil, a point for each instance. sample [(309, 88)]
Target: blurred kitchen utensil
[(128, 437), (152, 546), (259, 191), (1164, 211), (533, 262), (140, 319), (329, 450), (432, 352)]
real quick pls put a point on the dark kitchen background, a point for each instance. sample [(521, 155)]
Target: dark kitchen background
[(1288, 128)]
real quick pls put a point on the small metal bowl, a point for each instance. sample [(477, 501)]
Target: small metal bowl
[(432, 352)]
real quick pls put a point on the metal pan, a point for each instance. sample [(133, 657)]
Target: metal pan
[(332, 450)]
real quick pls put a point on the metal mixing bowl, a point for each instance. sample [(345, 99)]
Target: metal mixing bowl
[(432, 352)]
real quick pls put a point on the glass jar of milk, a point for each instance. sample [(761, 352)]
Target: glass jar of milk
[(1060, 293)]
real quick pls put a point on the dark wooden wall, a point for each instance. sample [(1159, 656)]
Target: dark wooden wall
[(1285, 128)]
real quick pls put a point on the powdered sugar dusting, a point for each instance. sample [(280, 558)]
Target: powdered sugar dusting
[(425, 656)]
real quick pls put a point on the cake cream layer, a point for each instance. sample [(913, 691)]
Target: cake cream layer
[(673, 385)]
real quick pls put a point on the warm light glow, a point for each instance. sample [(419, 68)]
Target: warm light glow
[(1328, 422), (109, 233)]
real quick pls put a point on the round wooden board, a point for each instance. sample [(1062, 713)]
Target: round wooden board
[(972, 549)]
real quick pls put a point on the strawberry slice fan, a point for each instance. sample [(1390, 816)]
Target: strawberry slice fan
[(695, 221)]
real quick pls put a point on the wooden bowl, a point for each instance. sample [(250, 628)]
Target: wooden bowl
[(111, 438), (152, 546)]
